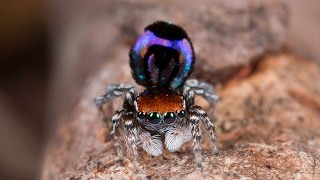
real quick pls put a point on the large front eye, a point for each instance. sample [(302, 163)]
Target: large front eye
[(154, 118), (169, 118)]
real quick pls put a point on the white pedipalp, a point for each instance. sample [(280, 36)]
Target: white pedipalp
[(176, 137), (151, 144)]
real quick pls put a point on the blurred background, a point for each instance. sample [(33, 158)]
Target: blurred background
[(36, 86)]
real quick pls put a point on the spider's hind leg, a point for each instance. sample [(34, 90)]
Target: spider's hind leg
[(113, 91), (201, 88)]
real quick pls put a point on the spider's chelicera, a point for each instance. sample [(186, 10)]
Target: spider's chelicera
[(164, 114)]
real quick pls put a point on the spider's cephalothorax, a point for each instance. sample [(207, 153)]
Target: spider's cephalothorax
[(164, 114)]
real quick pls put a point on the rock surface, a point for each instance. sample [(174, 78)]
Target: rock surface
[(268, 121)]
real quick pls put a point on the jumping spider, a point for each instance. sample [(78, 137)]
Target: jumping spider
[(161, 60)]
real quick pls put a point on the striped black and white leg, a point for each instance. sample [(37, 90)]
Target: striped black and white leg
[(194, 119), (210, 127), (205, 90), (114, 133), (126, 114), (195, 115), (131, 137)]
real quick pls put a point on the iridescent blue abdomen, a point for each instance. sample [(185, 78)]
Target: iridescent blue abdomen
[(163, 56)]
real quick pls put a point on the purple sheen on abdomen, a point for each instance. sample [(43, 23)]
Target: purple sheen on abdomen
[(147, 74)]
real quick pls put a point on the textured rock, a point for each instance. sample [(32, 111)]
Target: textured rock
[(267, 121)]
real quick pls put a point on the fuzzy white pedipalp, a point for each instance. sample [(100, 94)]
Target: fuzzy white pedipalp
[(151, 144), (176, 137)]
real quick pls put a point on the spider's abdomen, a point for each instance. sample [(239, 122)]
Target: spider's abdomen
[(163, 56)]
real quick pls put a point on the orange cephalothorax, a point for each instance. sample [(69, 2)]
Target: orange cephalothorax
[(160, 102)]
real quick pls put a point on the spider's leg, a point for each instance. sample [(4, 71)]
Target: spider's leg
[(130, 125), (201, 88), (131, 137), (194, 119), (113, 91), (128, 108), (195, 115), (115, 125), (210, 127)]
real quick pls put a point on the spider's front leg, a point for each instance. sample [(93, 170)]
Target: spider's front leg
[(115, 125), (131, 137), (126, 113), (205, 90), (194, 120), (209, 125), (197, 114)]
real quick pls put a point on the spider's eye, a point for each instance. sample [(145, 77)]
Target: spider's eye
[(181, 114), (140, 115), (154, 118), (169, 118)]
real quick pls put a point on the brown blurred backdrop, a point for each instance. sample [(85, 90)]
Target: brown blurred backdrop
[(31, 76)]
